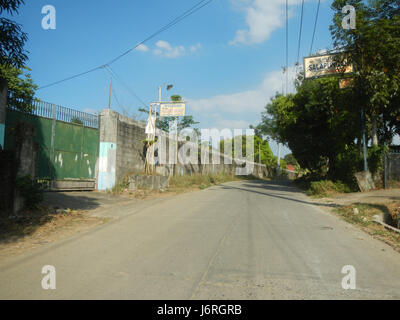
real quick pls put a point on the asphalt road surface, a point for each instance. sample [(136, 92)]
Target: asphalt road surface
[(240, 240)]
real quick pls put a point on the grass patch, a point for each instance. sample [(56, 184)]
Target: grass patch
[(26, 223), (362, 214), (322, 188), (42, 221), (359, 213), (178, 184), (199, 181), (326, 188), (121, 186)]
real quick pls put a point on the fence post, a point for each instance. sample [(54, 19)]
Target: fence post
[(53, 134)]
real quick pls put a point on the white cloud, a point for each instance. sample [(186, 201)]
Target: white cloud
[(245, 102), (195, 47), (166, 50), (262, 18), (142, 47)]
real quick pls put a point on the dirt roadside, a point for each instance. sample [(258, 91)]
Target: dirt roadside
[(361, 209), (61, 215), (64, 214)]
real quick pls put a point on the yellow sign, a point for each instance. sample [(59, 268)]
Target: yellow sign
[(172, 109), (325, 65)]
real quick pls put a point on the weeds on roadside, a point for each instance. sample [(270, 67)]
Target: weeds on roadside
[(202, 181), (121, 186), (362, 214)]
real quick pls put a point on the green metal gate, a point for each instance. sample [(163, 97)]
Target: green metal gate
[(68, 144)]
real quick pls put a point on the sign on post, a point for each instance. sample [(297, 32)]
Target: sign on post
[(319, 66), (172, 109)]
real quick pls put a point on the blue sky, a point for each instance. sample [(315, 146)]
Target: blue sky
[(225, 60)]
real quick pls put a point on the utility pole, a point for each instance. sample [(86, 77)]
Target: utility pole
[(109, 96), (364, 138), (176, 145), (279, 159)]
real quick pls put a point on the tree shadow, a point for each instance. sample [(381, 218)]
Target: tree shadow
[(280, 186), (27, 222), (72, 200)]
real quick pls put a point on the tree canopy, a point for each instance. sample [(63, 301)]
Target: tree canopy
[(321, 123), (13, 56), (12, 38)]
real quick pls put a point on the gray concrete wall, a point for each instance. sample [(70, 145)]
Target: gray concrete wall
[(122, 153), (130, 152)]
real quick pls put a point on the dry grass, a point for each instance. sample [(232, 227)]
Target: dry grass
[(362, 214), (197, 181), (44, 225)]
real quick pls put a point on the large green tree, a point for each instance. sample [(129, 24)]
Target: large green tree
[(21, 88), (13, 72), (261, 152), (12, 38), (317, 123), (374, 49)]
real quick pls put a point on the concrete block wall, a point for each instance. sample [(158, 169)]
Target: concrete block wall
[(122, 152), (130, 156)]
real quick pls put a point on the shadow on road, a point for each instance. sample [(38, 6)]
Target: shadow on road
[(27, 222), (73, 200), (280, 186)]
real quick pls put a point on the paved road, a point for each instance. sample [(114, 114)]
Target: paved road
[(240, 240)]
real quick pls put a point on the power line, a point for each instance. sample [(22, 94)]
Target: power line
[(315, 26), (287, 45), (114, 76), (115, 96), (300, 32), (130, 90), (187, 13), (184, 15)]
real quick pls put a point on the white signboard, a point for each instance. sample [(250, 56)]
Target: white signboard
[(325, 65), (151, 125), (172, 109)]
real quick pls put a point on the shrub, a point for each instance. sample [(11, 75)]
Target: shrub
[(121, 185), (30, 190), (327, 187)]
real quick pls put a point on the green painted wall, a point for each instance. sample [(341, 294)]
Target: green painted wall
[(75, 149)]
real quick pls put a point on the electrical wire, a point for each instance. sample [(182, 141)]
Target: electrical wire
[(184, 15), (300, 32), (315, 26), (287, 45), (130, 90)]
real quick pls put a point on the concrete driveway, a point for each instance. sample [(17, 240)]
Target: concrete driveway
[(239, 240)]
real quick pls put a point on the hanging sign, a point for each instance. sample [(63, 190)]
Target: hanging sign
[(319, 66), (172, 109)]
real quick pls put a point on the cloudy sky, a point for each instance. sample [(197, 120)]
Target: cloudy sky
[(225, 60)]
